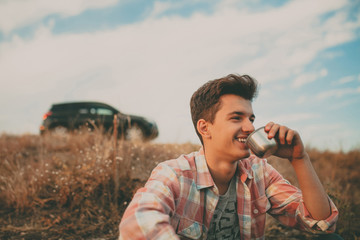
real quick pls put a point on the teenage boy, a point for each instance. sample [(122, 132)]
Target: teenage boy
[(222, 191)]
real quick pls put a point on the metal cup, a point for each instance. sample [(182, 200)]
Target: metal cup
[(260, 144)]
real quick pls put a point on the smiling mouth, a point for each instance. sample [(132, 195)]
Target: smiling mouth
[(242, 140)]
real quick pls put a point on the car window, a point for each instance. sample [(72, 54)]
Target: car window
[(83, 111), (104, 111)]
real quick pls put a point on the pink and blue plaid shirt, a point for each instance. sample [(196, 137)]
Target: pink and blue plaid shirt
[(179, 199)]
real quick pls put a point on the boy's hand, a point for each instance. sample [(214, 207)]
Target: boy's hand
[(290, 145)]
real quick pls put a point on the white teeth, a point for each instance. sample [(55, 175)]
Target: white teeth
[(243, 140)]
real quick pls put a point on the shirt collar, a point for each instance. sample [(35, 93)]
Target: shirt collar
[(203, 176), (245, 170)]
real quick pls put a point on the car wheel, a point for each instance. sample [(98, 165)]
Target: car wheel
[(134, 133), (60, 131)]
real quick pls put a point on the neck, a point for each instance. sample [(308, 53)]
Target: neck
[(221, 171)]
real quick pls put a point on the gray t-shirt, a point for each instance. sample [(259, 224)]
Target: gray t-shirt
[(225, 224)]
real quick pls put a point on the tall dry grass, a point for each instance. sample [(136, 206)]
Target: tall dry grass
[(77, 186), (65, 186)]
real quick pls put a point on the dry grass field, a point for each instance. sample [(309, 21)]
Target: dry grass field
[(77, 186)]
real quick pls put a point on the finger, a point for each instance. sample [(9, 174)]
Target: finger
[(282, 134), (273, 130), (290, 136), (268, 126)]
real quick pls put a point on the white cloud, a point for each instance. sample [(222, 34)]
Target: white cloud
[(323, 72), (290, 38), (314, 129), (153, 67), (302, 99), (344, 104), (294, 117), (306, 78), (332, 54), (345, 80), (338, 93), (19, 13), (161, 7), (331, 136)]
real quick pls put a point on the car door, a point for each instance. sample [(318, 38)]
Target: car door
[(84, 115), (105, 117)]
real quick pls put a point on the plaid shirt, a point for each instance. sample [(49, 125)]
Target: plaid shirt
[(179, 199)]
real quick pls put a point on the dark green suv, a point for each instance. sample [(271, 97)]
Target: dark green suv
[(70, 116)]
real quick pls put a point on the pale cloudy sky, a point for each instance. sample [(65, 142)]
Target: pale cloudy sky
[(147, 57)]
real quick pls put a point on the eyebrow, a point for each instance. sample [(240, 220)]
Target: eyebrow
[(241, 114)]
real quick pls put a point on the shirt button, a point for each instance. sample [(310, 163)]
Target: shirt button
[(256, 211), (188, 231)]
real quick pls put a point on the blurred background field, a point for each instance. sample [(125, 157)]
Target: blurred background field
[(76, 186)]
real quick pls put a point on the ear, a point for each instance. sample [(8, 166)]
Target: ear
[(203, 128)]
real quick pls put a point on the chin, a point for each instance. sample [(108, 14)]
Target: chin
[(244, 154)]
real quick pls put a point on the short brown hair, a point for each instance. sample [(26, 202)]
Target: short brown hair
[(205, 103)]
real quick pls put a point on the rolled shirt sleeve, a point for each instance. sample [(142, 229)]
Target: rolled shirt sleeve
[(148, 214), (288, 207), (327, 225)]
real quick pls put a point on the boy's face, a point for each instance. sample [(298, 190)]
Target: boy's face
[(232, 125)]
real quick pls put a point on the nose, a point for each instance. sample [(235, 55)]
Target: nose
[(248, 127)]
